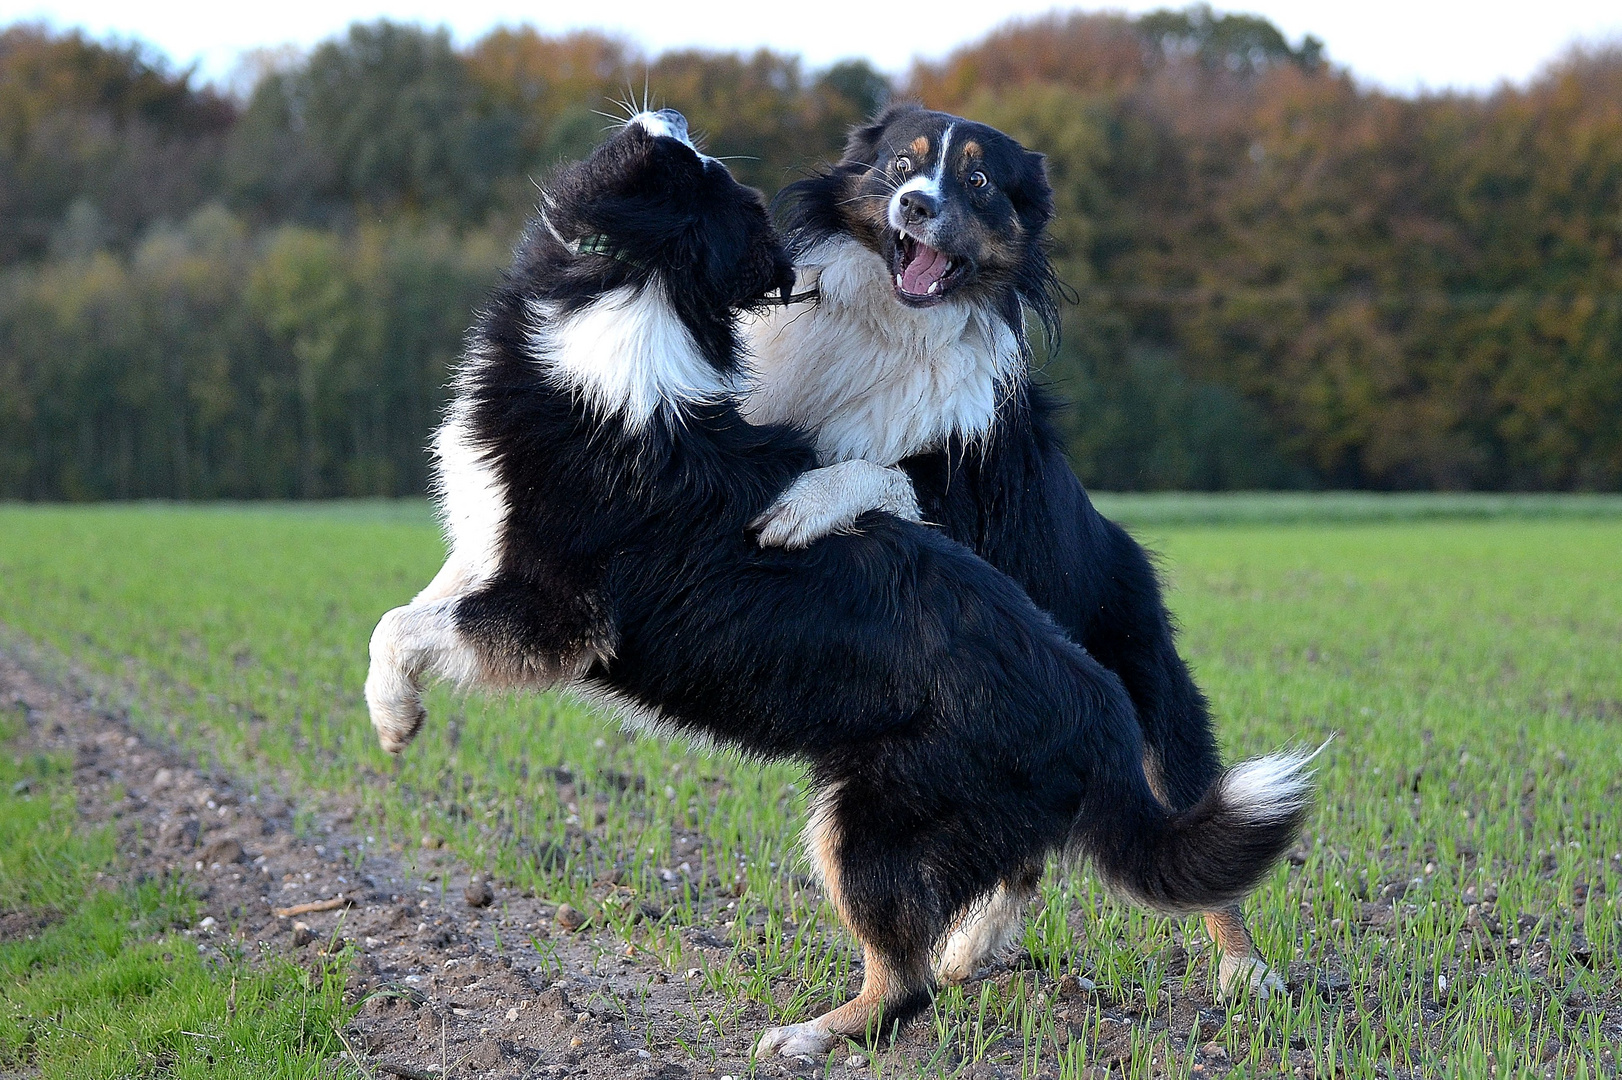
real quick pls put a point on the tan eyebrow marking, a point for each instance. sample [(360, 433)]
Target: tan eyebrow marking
[(971, 149), (920, 146)]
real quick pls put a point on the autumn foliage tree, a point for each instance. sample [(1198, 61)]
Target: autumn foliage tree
[(1280, 277)]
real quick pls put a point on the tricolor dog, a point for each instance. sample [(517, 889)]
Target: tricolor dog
[(924, 250)]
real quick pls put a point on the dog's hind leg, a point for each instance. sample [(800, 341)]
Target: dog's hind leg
[(1240, 968), (987, 931), (890, 994), (895, 982)]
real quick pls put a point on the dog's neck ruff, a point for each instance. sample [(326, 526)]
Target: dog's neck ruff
[(626, 354), (877, 380)]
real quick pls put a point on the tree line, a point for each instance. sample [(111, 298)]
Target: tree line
[(1280, 278)]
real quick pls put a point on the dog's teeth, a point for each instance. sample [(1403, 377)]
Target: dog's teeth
[(898, 281), (934, 287)]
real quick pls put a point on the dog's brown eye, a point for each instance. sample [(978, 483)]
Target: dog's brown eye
[(903, 165), (978, 179)]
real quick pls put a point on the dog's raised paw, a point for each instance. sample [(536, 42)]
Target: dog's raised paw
[(1239, 975), (793, 526), (795, 1040), (397, 712), (395, 733), (829, 500)]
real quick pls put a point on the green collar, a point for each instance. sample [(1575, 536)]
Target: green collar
[(600, 244)]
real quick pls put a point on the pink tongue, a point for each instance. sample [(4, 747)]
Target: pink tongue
[(927, 267)]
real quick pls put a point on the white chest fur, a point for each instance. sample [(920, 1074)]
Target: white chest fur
[(875, 379), (627, 354)]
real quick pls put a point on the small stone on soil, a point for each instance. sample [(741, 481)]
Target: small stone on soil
[(1074, 985), (224, 851), (478, 893)]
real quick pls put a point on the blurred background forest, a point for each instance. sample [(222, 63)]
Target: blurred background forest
[(1282, 279)]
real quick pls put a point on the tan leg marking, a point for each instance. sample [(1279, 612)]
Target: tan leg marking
[(1240, 968), (1157, 780), (857, 1018), (882, 984)]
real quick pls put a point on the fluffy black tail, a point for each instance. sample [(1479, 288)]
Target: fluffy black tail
[(1211, 854)]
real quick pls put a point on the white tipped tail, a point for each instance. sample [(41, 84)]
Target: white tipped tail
[(1270, 788)]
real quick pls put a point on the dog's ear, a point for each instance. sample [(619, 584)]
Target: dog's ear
[(1030, 192), (862, 144)]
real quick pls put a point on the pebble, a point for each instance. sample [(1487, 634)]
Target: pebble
[(1071, 985), (856, 1061), (568, 918), (478, 893), (224, 851), (208, 923)]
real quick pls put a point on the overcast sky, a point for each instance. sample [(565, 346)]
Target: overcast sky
[(1404, 45)]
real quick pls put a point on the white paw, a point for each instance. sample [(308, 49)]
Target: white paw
[(794, 525), (795, 1040), (392, 697), (964, 956), (1239, 975), (397, 723), (953, 971), (988, 932), (829, 500)]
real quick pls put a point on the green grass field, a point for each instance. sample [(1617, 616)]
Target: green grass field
[(1455, 912)]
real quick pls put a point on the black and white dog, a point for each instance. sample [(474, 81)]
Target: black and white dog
[(597, 481), (924, 248)]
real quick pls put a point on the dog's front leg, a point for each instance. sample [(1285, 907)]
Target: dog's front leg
[(410, 644), (829, 500)]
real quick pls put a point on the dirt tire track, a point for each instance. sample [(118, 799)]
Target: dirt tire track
[(440, 997)]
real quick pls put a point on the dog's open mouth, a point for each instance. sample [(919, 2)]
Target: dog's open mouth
[(923, 275)]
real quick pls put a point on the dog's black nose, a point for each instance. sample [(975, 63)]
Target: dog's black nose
[(918, 206)]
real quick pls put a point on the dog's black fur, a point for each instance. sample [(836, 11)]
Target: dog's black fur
[(1010, 495), (954, 736)]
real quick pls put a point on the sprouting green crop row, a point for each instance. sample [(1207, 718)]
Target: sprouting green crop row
[(1454, 908)]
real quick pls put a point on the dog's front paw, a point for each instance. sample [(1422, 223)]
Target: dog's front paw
[(1237, 976), (795, 1040), (795, 524), (397, 722), (829, 500), (392, 696)]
